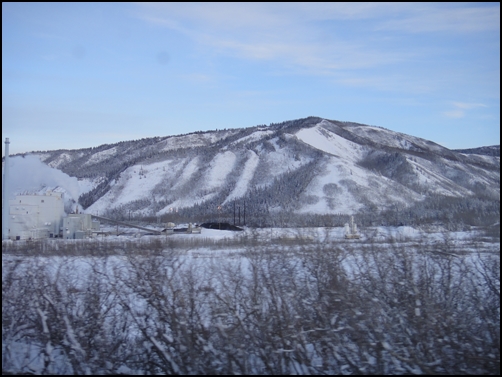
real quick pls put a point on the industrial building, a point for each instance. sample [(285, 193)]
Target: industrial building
[(78, 226), (43, 216), (29, 217), (36, 216)]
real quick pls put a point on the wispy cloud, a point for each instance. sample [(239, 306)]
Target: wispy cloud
[(305, 38), (460, 108), (432, 18), (468, 106), (388, 83), (454, 113), (286, 33)]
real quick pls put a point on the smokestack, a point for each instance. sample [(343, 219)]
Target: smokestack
[(5, 209)]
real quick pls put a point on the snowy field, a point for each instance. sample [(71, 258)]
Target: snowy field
[(221, 242), (261, 301)]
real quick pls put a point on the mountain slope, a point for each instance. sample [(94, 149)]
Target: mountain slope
[(301, 167), (492, 150)]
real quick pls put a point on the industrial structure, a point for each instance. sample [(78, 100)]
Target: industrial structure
[(33, 217), (30, 217), (5, 193), (78, 226), (117, 222), (351, 230), (36, 216)]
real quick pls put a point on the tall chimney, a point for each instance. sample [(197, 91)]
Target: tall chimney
[(5, 192)]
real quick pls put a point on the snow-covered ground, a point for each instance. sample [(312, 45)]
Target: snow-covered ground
[(237, 241)]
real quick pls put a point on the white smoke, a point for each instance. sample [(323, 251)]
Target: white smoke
[(30, 175)]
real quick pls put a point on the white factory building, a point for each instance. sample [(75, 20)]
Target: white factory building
[(36, 216), (43, 216)]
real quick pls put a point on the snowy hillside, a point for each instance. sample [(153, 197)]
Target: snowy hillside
[(307, 166)]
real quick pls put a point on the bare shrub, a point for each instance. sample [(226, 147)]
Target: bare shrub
[(285, 308)]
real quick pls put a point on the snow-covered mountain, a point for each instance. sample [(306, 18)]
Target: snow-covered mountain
[(302, 167)]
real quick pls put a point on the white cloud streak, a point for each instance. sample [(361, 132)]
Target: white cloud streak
[(467, 106), (431, 18), (285, 32), (292, 34), (460, 109)]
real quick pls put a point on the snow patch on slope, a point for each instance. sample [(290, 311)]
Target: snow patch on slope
[(189, 170), (393, 139), (345, 187), (253, 137), (276, 163), (139, 185), (61, 159), (220, 167), (135, 183), (246, 177), (100, 156), (329, 142), (193, 140), (330, 188), (87, 184)]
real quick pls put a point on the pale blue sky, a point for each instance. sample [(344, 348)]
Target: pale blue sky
[(80, 75)]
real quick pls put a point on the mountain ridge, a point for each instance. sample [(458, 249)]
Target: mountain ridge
[(294, 169), (490, 150)]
